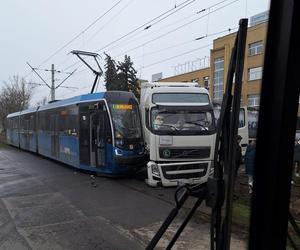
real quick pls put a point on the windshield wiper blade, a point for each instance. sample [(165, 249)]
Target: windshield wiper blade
[(198, 124), (166, 125)]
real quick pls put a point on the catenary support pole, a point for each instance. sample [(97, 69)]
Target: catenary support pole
[(52, 83)]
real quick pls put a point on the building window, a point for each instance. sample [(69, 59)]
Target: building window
[(218, 79), (255, 48), (253, 100), (254, 73), (206, 82)]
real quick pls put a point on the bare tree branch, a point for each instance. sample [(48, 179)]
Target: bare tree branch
[(14, 96)]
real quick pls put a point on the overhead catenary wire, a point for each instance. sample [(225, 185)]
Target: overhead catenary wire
[(163, 18), (176, 45), (183, 43), (166, 26), (122, 42), (100, 29), (185, 53), (78, 35), (172, 57), (110, 20), (171, 31), (185, 3), (143, 25)]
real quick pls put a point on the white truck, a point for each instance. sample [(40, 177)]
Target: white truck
[(179, 131), (244, 126)]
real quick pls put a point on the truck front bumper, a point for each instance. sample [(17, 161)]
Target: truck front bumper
[(175, 173)]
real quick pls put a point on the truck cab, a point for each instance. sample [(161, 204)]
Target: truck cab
[(179, 131)]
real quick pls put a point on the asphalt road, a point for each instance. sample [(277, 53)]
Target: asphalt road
[(48, 205)]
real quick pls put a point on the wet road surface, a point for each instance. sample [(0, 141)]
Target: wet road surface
[(48, 205)]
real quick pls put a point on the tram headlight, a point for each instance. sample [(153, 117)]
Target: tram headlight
[(118, 152)]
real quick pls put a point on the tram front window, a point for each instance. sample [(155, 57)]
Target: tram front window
[(127, 125)]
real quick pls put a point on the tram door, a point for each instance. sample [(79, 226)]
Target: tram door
[(97, 134), (54, 135)]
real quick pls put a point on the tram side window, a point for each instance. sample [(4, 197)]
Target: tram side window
[(47, 121), (42, 121), (32, 123), (15, 123), (21, 122), (72, 124), (24, 122), (68, 122), (9, 123)]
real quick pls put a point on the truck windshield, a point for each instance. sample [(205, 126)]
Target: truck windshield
[(126, 121), (182, 120)]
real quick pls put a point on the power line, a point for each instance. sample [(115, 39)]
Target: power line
[(52, 87), (178, 21), (163, 18), (179, 44), (74, 38), (33, 69), (176, 29), (164, 49), (169, 32), (147, 23), (116, 15), (194, 20), (100, 29), (56, 71), (170, 58), (186, 42), (141, 26), (190, 51), (80, 33)]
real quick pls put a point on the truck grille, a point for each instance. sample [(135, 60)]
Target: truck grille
[(167, 171), (184, 153)]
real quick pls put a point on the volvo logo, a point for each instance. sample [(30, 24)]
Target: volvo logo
[(167, 153)]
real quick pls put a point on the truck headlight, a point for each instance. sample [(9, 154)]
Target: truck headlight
[(155, 170), (212, 169)]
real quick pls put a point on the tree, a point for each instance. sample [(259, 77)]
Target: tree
[(127, 77), (14, 96), (111, 75)]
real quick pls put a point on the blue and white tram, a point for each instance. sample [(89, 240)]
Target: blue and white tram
[(101, 132)]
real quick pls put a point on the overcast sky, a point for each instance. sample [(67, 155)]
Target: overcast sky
[(33, 30)]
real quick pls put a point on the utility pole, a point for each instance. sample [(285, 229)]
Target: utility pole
[(52, 83), (52, 87)]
